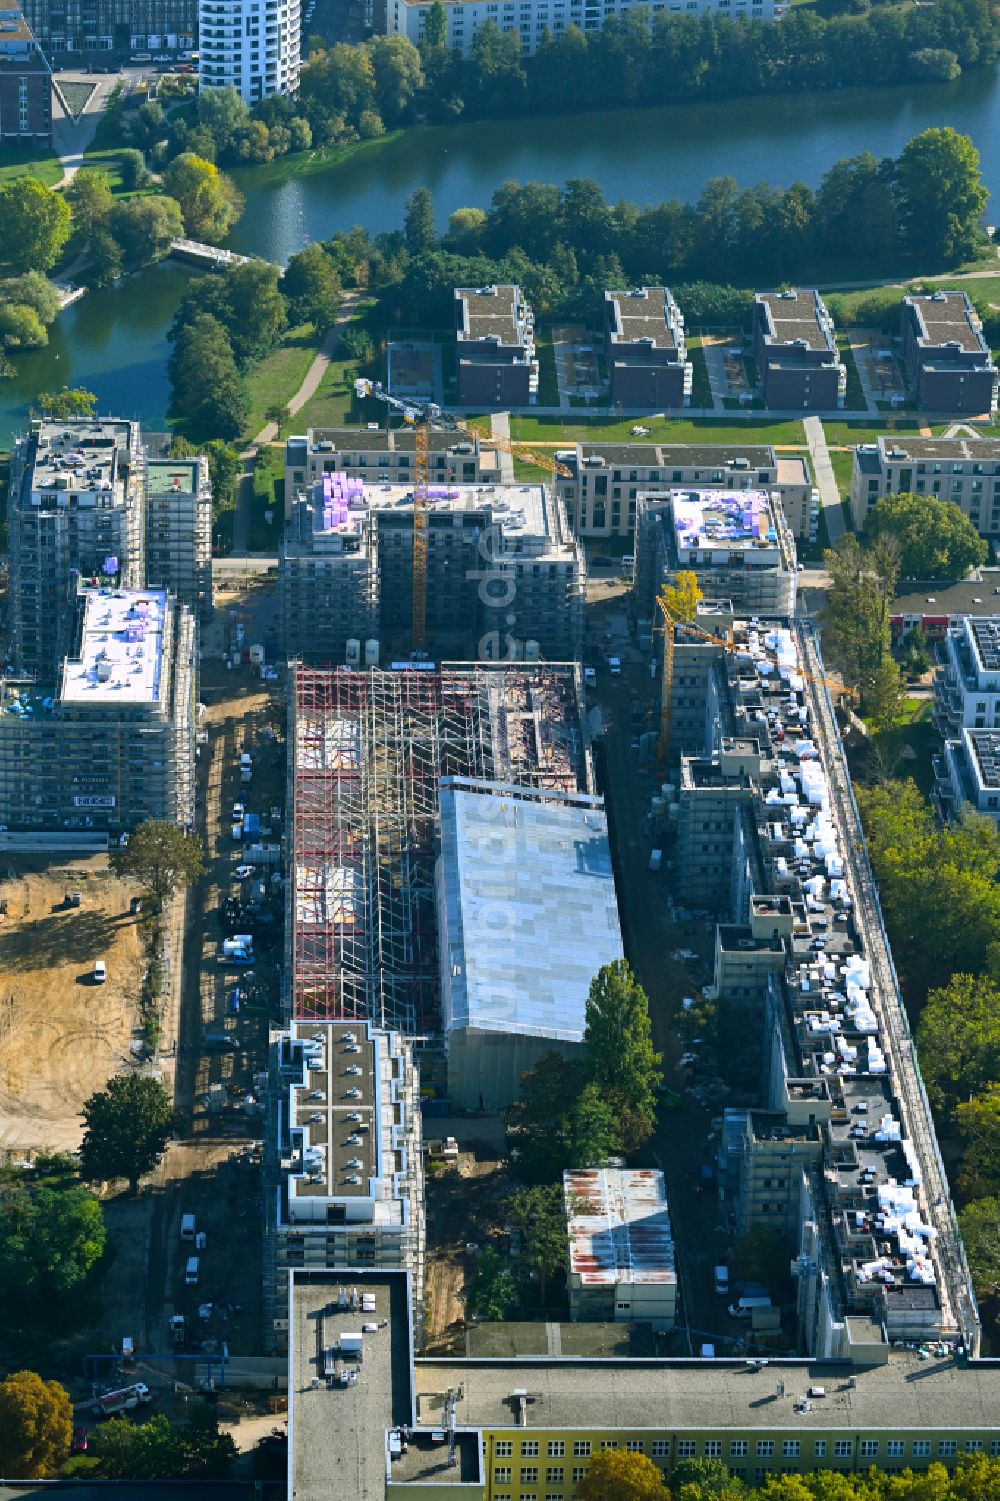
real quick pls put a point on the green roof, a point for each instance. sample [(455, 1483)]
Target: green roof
[(162, 473)]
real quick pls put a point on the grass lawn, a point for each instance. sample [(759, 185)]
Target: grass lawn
[(277, 378), (672, 430), (855, 398), (548, 385), (843, 467), (701, 389), (846, 433), (911, 742), (29, 161)]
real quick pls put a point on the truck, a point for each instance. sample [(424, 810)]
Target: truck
[(746, 1307), (122, 1400), (237, 950)]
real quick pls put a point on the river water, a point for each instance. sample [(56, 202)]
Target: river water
[(114, 341)]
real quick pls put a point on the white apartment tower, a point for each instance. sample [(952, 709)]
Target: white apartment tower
[(255, 45)]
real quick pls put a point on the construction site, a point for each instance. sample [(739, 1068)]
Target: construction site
[(367, 752)]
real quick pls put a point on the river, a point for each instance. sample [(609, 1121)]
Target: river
[(114, 341)]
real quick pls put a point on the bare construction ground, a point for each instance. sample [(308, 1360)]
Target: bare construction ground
[(61, 1035)]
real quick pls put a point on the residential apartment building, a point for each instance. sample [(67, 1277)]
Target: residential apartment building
[(529, 1425), (25, 80), (114, 744), (383, 456), (967, 681), (795, 347), (531, 19), (621, 1263), (343, 1172), (836, 1065), (606, 480), (967, 774), (736, 543), (113, 25), (252, 45), (75, 510), (504, 572), (494, 347), (963, 470), (179, 532), (645, 350), (948, 361)]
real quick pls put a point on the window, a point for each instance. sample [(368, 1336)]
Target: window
[(609, 1443), (921, 1448), (686, 1448), (894, 1448), (501, 1475), (661, 1448), (869, 1448), (995, 1448), (529, 1474), (819, 1448), (973, 1445), (791, 1448), (578, 1473), (843, 1448), (554, 1475), (503, 1448), (581, 1448), (529, 1448), (634, 1446), (739, 1448), (760, 1474), (947, 1448), (713, 1448), (557, 1448), (765, 1448)]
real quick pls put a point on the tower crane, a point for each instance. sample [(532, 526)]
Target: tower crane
[(425, 417)]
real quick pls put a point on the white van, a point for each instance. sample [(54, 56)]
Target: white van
[(744, 1309), (191, 1272), (187, 1227), (722, 1280)]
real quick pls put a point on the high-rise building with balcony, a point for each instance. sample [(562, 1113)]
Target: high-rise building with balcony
[(254, 45)]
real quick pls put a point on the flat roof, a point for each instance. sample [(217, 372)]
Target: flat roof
[(166, 475), (83, 459), (13, 26), (723, 521), (680, 455), (383, 440), (797, 318), (121, 648), (646, 315), (904, 1395), (491, 313), (986, 634), (618, 1224), (519, 512), (333, 1109), (984, 746), (897, 450), (544, 862), (941, 598), (947, 318), (337, 1433)]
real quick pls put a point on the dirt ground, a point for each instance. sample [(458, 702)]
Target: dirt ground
[(457, 1215), (62, 1036)]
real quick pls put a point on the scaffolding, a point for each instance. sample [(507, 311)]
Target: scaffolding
[(367, 754)]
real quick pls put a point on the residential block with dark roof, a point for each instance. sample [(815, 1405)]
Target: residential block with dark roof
[(25, 80), (948, 361), (645, 348), (795, 347), (495, 347)]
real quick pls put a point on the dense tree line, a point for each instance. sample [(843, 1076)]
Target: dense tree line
[(358, 92), (566, 245), (616, 1475)]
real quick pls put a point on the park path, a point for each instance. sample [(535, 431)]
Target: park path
[(826, 482), (70, 138)]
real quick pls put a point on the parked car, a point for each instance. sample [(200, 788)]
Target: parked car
[(100, 972), (81, 1441)]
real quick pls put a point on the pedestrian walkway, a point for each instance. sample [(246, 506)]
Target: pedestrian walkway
[(70, 138), (825, 479), (500, 425)]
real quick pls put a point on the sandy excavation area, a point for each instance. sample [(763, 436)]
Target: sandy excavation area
[(61, 1035)]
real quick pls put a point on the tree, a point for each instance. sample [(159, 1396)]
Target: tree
[(979, 1223), (398, 75), (466, 226), (36, 1425), (978, 1120), (149, 122), (146, 227), (419, 232), (128, 1126), (916, 652), (255, 312), (158, 1450), (618, 1475), (436, 26), (161, 856), (224, 112), (51, 1236), (209, 201), (278, 413), (539, 1215), (492, 1292), (36, 224), (311, 287), (32, 290), (619, 1053), (590, 1130), (21, 327), (89, 197), (936, 541), (224, 468), (706, 1477), (559, 1121), (941, 194), (134, 173), (71, 402), (958, 1039), (106, 263), (934, 64), (208, 391), (856, 624)]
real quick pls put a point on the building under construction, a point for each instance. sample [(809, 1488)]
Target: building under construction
[(367, 751), (504, 574)]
